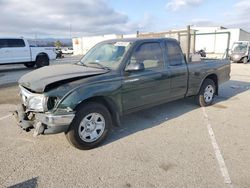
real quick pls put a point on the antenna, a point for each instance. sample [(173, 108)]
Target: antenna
[(36, 38)]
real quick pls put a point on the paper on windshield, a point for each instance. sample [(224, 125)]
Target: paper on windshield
[(122, 44)]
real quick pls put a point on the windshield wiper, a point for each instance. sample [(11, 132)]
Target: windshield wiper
[(81, 63), (100, 65)]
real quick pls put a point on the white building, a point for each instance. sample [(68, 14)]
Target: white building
[(213, 39), (83, 44)]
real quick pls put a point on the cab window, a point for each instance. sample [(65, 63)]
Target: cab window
[(149, 54), (15, 43), (174, 54), (3, 43)]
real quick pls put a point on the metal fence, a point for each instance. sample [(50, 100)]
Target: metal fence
[(188, 37)]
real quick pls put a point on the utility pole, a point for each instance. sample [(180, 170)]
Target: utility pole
[(70, 30), (188, 44)]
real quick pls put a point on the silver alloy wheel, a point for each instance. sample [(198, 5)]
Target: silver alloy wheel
[(91, 127), (209, 93)]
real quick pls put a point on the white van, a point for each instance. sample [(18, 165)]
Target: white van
[(240, 52), (18, 51)]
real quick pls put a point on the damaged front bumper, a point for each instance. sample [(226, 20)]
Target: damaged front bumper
[(44, 123)]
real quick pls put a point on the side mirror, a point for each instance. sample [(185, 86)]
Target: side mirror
[(135, 67)]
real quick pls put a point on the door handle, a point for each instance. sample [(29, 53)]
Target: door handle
[(132, 80)]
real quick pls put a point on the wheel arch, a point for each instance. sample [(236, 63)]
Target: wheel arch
[(244, 56), (42, 54), (108, 103), (213, 77), (242, 59)]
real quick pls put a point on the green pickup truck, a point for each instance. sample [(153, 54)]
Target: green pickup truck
[(114, 78)]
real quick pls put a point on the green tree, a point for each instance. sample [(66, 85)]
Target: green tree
[(58, 44)]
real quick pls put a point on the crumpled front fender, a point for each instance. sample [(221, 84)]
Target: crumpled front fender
[(108, 91)]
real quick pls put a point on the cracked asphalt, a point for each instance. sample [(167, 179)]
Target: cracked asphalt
[(165, 146)]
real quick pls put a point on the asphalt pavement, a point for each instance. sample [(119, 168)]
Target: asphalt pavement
[(172, 145), (11, 73)]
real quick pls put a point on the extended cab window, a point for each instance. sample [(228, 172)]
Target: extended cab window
[(174, 54), (150, 54), (15, 43)]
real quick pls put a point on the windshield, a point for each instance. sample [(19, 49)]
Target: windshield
[(240, 47), (107, 55)]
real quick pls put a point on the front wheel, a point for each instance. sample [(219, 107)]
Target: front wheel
[(245, 60), (90, 126), (206, 94)]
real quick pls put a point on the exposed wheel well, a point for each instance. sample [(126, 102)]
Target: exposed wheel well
[(215, 79), (112, 108)]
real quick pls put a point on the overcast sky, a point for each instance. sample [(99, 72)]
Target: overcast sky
[(54, 18)]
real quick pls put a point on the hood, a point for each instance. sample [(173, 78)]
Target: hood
[(37, 80)]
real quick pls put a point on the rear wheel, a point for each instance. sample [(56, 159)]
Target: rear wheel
[(42, 60), (90, 126), (30, 64), (206, 93)]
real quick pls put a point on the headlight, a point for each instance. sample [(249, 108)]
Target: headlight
[(37, 103)]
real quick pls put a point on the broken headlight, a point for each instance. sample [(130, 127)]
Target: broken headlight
[(36, 103)]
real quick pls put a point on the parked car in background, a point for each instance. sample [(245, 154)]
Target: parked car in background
[(240, 52), (67, 50), (114, 78), (18, 51)]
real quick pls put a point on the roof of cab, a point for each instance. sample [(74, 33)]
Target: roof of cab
[(11, 37), (132, 40)]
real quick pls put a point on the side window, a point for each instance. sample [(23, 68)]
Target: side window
[(174, 54), (15, 43), (3, 43), (150, 54)]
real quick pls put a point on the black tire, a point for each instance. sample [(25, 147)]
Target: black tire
[(42, 60), (202, 99), (82, 112), (29, 64), (245, 60)]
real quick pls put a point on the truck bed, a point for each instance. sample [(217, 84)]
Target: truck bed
[(199, 70)]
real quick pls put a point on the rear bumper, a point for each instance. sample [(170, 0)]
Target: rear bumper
[(44, 123)]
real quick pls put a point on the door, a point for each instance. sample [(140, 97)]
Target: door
[(19, 51), (149, 86), (5, 53), (178, 70)]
